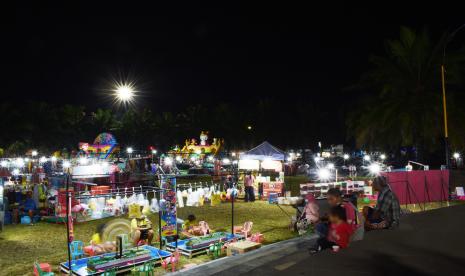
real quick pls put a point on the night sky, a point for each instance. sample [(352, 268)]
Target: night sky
[(182, 55)]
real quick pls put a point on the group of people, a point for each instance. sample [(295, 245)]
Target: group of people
[(344, 223)]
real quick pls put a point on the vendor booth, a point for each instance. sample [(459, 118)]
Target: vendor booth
[(267, 161)]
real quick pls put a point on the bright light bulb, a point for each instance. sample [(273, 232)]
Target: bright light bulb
[(124, 93), (324, 174), (331, 166), (43, 159), (168, 161), (83, 160), (374, 168), (34, 153), (233, 154), (129, 150), (456, 155), (346, 156), (382, 156), (366, 158), (154, 151)]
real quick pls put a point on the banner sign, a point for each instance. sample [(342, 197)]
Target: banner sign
[(168, 207)]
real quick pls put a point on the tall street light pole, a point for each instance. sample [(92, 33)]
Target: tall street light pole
[(443, 85)]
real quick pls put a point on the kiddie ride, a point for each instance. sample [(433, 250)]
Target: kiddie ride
[(191, 147), (141, 259), (104, 146)]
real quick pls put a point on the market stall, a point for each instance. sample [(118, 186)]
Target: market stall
[(266, 161)]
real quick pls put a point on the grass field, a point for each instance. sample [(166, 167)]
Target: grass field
[(21, 245)]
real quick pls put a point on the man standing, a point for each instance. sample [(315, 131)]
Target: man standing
[(386, 213), (249, 179)]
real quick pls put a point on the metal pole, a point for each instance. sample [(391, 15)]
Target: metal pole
[(159, 216), (444, 108), (443, 85), (67, 223), (232, 212)]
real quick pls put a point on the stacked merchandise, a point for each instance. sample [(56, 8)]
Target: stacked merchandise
[(319, 190)]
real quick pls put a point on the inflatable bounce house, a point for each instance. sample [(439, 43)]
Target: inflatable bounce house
[(104, 146)]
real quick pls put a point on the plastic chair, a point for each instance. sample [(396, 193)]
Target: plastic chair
[(147, 269), (204, 228), (245, 230), (77, 249), (40, 272)]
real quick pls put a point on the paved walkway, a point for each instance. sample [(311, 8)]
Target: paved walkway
[(428, 243)]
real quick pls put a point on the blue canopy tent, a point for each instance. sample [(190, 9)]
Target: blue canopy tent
[(264, 151)]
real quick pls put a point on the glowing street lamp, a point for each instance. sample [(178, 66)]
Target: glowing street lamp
[(346, 156), (124, 93), (323, 174), (382, 156), (129, 150), (34, 153), (374, 168), (456, 155)]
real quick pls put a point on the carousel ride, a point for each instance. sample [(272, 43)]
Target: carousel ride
[(198, 149)]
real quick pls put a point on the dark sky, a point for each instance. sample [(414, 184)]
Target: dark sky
[(200, 54)]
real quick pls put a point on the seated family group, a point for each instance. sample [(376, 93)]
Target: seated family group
[(344, 223)]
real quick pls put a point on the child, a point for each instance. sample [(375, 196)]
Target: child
[(339, 232), (311, 210)]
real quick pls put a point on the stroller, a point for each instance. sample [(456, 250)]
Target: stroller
[(299, 222)]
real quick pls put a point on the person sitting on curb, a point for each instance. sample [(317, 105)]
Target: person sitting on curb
[(386, 213), (339, 234), (334, 197)]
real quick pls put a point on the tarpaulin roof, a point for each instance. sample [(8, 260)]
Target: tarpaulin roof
[(264, 151)]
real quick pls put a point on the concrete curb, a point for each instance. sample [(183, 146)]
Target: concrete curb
[(246, 262)]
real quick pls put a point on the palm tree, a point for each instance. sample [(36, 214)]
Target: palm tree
[(403, 107)]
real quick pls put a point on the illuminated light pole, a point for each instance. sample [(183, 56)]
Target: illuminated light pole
[(443, 86)]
